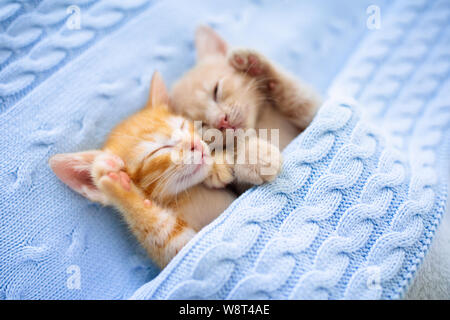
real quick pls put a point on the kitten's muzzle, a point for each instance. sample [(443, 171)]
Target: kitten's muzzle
[(224, 124)]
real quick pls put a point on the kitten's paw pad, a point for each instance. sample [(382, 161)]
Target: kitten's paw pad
[(108, 174), (220, 177), (249, 61), (114, 183), (121, 178), (105, 163)]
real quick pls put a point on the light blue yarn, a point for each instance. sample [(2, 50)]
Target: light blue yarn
[(361, 192)]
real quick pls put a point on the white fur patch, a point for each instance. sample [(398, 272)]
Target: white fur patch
[(177, 243)]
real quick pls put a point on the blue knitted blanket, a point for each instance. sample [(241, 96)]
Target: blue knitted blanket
[(361, 192)]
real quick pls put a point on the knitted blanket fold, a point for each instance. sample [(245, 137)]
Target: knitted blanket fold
[(357, 203)]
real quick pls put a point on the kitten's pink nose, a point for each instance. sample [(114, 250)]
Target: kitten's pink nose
[(224, 124)]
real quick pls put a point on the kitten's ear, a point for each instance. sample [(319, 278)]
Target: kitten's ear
[(74, 169), (158, 92), (208, 42)]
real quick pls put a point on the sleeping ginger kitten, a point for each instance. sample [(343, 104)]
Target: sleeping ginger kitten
[(161, 199), (241, 89)]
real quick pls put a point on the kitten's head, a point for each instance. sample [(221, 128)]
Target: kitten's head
[(163, 153), (213, 91)]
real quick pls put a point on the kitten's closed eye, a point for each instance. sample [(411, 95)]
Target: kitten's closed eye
[(156, 151), (216, 91)]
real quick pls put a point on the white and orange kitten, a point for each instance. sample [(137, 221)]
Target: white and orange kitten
[(232, 89), (163, 201)]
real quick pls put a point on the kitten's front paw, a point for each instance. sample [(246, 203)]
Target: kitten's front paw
[(220, 177), (254, 65), (115, 183), (105, 163), (249, 61), (270, 159), (108, 174), (267, 167)]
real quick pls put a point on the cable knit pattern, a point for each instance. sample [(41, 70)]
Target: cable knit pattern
[(48, 47), (352, 213), (302, 222)]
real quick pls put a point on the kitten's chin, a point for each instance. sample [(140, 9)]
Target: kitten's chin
[(199, 173), (196, 175)]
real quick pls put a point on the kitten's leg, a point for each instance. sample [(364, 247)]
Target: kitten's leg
[(158, 229), (257, 160), (295, 99)]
